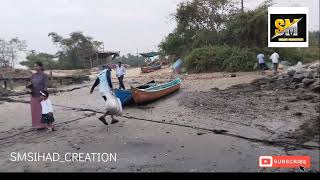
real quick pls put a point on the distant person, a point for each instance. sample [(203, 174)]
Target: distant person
[(261, 62), (105, 89), (39, 82), (120, 72), (275, 61), (47, 111)]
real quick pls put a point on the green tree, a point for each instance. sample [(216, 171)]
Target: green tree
[(47, 60), (248, 29), (74, 49), (199, 23)]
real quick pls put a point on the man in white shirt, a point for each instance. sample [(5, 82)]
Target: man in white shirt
[(120, 72), (275, 60), (262, 64)]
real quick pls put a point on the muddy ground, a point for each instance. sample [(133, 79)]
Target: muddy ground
[(208, 126)]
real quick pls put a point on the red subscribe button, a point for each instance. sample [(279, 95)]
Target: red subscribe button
[(284, 161)]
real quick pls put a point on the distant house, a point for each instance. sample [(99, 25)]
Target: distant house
[(100, 58)]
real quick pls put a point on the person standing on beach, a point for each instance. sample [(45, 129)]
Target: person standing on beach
[(39, 82), (47, 111), (262, 64), (275, 61), (105, 89), (120, 72)]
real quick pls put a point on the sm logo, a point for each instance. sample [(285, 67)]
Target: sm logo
[(288, 29)]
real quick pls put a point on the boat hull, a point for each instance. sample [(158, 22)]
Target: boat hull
[(150, 69), (125, 96), (146, 70), (142, 96)]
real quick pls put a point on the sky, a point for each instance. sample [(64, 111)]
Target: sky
[(128, 26)]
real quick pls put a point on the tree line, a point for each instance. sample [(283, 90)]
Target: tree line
[(210, 35), (72, 52), (216, 35)]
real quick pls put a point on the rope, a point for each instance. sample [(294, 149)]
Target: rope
[(215, 131)]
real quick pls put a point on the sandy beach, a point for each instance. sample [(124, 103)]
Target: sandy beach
[(209, 125)]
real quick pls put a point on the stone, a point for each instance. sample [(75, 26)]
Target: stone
[(291, 73), (305, 97), (315, 86), (300, 85), (292, 99), (315, 66), (293, 86), (306, 74), (307, 81), (310, 74), (315, 89), (284, 76), (301, 90), (297, 114), (215, 89), (298, 78)]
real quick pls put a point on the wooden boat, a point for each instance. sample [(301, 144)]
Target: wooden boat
[(146, 70), (155, 92), (151, 68), (125, 96)]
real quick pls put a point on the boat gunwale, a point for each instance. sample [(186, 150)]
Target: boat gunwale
[(151, 91)]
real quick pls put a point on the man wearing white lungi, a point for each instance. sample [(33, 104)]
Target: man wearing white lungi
[(113, 104)]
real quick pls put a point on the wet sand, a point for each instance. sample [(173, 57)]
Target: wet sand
[(145, 146)]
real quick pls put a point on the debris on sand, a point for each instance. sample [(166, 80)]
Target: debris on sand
[(263, 104), (200, 133), (297, 114), (286, 108)]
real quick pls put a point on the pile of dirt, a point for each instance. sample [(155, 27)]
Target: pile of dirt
[(285, 106)]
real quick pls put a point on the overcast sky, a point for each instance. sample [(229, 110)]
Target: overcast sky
[(123, 25)]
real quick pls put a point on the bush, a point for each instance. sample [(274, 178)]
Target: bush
[(220, 58), (240, 60), (310, 54), (232, 59), (206, 59)]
